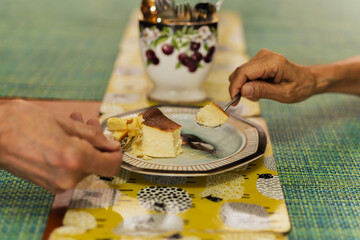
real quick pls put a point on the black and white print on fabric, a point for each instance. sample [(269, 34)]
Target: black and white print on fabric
[(164, 199), (165, 180), (269, 163), (94, 198), (270, 187), (245, 216), (150, 225)]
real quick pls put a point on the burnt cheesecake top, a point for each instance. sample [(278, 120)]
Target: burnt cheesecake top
[(155, 118)]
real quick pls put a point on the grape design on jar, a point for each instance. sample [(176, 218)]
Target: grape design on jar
[(193, 48), (151, 56), (167, 49)]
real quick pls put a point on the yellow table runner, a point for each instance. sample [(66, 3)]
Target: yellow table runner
[(245, 203)]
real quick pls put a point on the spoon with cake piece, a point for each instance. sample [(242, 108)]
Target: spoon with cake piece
[(212, 115)]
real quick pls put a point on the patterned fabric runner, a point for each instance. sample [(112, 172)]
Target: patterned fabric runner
[(244, 203)]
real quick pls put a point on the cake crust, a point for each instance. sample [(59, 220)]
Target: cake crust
[(155, 118), (218, 107)]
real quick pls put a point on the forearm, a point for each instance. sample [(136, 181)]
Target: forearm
[(341, 77)]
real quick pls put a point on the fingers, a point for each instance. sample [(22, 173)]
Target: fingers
[(77, 117), (106, 163), (93, 122), (256, 90), (75, 158), (265, 65), (236, 82), (91, 132), (91, 160), (263, 52), (253, 70)]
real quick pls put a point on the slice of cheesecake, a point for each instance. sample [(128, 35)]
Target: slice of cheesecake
[(160, 136), (151, 134), (211, 115)]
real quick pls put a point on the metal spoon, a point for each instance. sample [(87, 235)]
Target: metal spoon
[(218, 4), (232, 101), (165, 9), (225, 108)]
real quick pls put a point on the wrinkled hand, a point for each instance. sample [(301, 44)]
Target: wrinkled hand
[(270, 75), (52, 151)]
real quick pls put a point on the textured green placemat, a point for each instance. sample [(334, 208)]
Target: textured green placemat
[(317, 148), (306, 31), (66, 50), (24, 208), (59, 49)]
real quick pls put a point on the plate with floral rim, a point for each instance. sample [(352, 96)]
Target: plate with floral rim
[(234, 144)]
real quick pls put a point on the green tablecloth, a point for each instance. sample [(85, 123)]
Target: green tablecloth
[(66, 50), (317, 149), (59, 49)]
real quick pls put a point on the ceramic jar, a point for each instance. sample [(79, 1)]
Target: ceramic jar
[(177, 58)]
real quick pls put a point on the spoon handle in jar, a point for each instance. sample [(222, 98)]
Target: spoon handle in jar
[(218, 4)]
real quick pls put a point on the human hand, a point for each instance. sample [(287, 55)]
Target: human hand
[(270, 75), (52, 151)]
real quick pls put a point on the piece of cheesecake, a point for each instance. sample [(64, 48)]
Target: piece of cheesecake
[(121, 128), (151, 134), (160, 136), (211, 115)]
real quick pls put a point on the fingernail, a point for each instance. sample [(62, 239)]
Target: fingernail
[(248, 91), (114, 143)]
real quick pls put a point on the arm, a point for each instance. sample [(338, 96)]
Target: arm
[(270, 75), (53, 151), (342, 76)]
